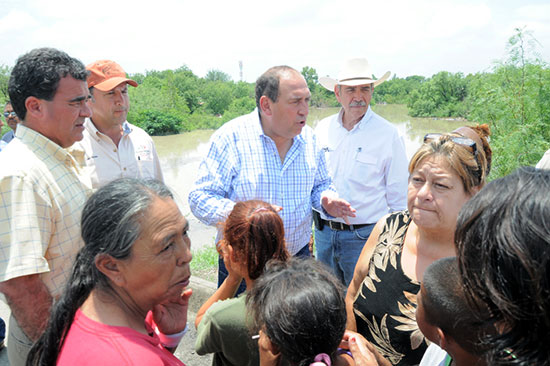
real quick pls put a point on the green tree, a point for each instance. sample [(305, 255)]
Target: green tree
[(239, 107), (515, 100), (397, 90), (217, 96), (441, 96), (155, 122), (5, 72), (311, 77), (217, 75)]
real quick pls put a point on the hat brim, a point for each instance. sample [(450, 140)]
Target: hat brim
[(330, 83), (112, 83)]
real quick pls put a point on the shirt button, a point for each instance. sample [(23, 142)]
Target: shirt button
[(114, 150), (124, 169)]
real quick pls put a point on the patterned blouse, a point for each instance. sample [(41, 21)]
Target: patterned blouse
[(386, 303)]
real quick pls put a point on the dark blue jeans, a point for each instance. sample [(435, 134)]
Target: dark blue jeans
[(340, 249), (222, 270)]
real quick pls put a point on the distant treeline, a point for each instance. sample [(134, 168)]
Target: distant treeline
[(513, 98)]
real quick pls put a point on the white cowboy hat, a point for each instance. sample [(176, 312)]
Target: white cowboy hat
[(356, 71)]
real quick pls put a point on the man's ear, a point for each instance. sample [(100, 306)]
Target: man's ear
[(34, 107), (111, 268), (265, 105), (337, 89)]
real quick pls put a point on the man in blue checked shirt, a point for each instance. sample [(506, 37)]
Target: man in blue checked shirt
[(271, 155)]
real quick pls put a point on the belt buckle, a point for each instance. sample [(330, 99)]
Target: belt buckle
[(336, 225)]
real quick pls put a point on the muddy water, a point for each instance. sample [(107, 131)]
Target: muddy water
[(181, 154)]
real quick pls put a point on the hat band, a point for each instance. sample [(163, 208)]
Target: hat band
[(359, 78)]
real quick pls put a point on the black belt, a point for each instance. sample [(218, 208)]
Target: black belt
[(336, 225)]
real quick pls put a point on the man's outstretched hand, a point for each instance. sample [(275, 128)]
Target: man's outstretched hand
[(338, 207)]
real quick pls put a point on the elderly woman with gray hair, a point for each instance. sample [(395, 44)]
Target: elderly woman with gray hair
[(126, 301)]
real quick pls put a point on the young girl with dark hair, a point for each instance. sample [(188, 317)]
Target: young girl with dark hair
[(298, 309), (253, 234)]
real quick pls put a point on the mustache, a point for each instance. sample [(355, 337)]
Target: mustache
[(358, 104)]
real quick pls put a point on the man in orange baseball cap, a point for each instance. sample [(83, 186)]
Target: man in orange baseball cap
[(113, 147)]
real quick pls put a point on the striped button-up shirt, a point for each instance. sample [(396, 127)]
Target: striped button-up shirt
[(243, 164), (41, 199)]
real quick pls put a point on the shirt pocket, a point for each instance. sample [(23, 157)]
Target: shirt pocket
[(364, 158), (364, 171), (145, 164)]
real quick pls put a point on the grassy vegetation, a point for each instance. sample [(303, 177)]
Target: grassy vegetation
[(205, 263)]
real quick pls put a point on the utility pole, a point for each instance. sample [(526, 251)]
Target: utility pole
[(241, 69)]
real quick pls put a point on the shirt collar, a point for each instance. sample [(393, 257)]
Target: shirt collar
[(362, 123), (126, 127), (258, 130), (92, 129), (38, 142)]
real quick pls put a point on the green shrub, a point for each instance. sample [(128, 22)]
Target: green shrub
[(157, 123)]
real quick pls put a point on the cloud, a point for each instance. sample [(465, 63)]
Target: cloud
[(538, 12), (15, 21), (406, 37)]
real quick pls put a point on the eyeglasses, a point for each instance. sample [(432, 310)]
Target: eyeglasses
[(463, 141), (7, 114)]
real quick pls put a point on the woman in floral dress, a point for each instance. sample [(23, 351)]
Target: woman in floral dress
[(445, 172)]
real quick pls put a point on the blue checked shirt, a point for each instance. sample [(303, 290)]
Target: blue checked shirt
[(243, 164)]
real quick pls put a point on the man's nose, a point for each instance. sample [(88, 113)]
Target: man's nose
[(304, 108), (86, 111)]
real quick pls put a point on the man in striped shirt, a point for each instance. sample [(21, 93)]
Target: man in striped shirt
[(271, 155)]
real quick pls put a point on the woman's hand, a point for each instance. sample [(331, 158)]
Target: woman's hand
[(229, 286), (364, 354), (171, 316), (231, 264)]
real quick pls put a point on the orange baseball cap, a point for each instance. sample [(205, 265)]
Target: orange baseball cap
[(106, 75)]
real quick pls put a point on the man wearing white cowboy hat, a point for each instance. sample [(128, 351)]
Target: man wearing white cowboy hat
[(367, 162)]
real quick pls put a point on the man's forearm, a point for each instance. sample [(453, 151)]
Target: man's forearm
[(30, 303), (209, 208)]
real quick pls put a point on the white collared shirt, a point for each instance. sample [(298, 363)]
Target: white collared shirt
[(135, 156), (368, 165)]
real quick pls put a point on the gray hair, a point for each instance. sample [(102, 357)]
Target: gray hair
[(111, 218), (111, 223)]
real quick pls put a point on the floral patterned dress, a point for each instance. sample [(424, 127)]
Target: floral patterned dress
[(386, 302)]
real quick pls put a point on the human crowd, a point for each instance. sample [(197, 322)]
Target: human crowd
[(334, 248)]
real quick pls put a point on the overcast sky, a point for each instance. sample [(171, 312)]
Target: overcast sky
[(407, 37)]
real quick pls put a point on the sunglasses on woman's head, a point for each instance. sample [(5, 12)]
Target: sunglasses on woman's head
[(459, 140)]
